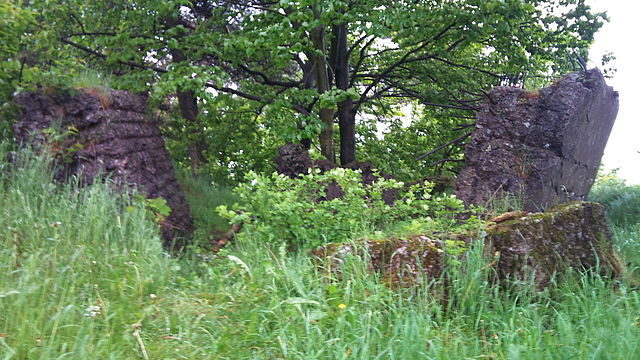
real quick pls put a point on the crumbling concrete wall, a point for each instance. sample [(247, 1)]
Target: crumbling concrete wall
[(103, 132), (542, 146), (293, 160)]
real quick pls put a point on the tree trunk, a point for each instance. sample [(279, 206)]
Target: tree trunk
[(309, 77), (189, 110), (322, 83), (346, 114)]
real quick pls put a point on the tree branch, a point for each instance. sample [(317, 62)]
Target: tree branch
[(228, 90), (103, 56), (358, 41), (466, 108), (77, 20), (445, 160), (356, 68), (98, 33), (268, 81), (401, 61), (452, 142), (466, 67), (465, 126)]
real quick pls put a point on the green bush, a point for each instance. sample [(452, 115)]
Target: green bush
[(280, 209)]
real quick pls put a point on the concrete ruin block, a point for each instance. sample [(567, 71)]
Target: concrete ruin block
[(104, 132), (573, 235), (521, 247), (400, 262), (542, 146), (293, 160)]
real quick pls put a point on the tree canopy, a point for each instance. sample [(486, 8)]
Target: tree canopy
[(238, 78)]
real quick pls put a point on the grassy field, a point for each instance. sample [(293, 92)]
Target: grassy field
[(83, 276)]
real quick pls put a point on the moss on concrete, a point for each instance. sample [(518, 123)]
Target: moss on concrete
[(572, 235), (400, 261)]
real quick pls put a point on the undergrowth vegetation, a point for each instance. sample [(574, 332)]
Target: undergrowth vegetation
[(203, 199), (622, 203), (83, 276), (279, 209), (621, 200)]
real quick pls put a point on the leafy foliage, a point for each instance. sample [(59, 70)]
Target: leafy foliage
[(237, 140), (157, 208), (279, 209), (16, 21), (242, 77)]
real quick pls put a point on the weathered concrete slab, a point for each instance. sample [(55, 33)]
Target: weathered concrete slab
[(542, 146), (572, 235), (103, 132), (522, 246)]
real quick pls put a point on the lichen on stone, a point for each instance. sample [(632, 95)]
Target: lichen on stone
[(399, 261), (572, 235), (532, 246)]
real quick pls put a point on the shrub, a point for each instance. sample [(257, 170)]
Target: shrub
[(280, 209)]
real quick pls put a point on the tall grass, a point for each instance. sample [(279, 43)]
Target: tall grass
[(83, 278), (621, 200), (203, 198), (63, 252)]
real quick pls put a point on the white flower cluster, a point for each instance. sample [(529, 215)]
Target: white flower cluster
[(92, 311)]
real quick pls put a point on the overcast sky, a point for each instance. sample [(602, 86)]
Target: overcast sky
[(622, 37)]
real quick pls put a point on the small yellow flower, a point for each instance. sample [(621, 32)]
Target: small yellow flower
[(342, 306)]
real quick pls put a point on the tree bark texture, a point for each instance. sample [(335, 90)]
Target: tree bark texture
[(323, 85), (346, 113)]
